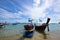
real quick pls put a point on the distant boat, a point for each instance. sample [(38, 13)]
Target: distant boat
[(15, 23), (1, 24)]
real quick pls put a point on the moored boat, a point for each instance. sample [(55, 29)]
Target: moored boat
[(1, 24), (42, 27), (29, 29)]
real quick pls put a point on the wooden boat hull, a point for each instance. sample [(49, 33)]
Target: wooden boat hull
[(28, 27), (41, 28), (38, 28), (1, 25), (28, 34)]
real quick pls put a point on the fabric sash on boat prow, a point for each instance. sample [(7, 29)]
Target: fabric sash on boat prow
[(28, 27)]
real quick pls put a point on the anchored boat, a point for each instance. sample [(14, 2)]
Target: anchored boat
[(29, 27), (42, 27), (1, 24)]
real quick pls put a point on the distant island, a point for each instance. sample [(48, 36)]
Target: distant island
[(15, 23)]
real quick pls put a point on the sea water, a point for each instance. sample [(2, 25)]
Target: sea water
[(9, 30)]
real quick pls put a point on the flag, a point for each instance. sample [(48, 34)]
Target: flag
[(40, 20), (29, 20)]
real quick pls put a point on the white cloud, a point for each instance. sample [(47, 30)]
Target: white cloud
[(36, 2), (36, 11), (56, 6), (55, 18), (11, 17), (6, 14)]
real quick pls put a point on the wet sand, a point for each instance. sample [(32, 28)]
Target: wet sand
[(13, 37), (37, 36)]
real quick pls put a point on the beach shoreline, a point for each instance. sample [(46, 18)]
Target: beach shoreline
[(36, 36)]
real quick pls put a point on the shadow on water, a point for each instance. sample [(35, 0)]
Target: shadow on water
[(43, 33)]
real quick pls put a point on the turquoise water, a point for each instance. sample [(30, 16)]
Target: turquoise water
[(54, 26), (10, 30)]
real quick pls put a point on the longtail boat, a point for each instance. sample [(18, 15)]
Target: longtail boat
[(29, 27), (39, 28), (42, 27)]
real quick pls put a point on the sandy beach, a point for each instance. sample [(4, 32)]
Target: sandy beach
[(37, 36), (13, 37)]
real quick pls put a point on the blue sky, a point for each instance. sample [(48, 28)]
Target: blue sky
[(21, 10)]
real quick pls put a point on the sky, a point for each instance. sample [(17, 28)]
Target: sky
[(21, 10)]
